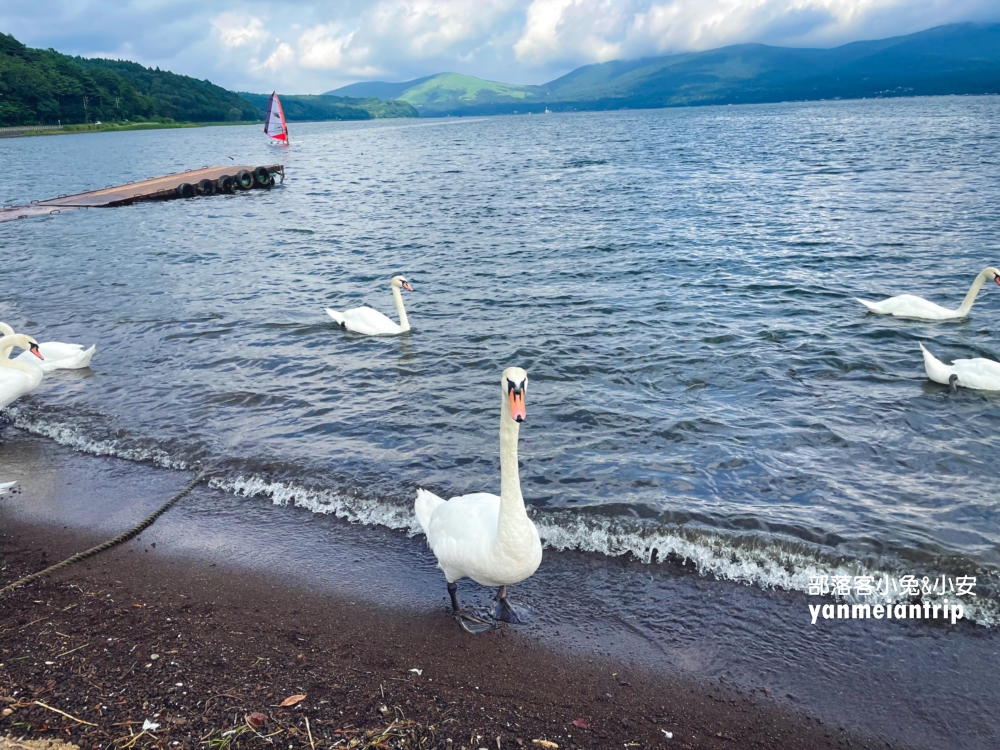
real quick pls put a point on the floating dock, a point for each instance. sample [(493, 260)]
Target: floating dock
[(205, 181)]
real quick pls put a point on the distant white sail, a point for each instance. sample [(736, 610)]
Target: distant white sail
[(274, 120)]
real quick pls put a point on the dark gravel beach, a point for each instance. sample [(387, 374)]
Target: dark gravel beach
[(228, 643)]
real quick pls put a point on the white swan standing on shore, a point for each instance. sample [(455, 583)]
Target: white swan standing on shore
[(487, 538), (371, 322), (58, 356), (18, 378), (979, 374), (917, 308)]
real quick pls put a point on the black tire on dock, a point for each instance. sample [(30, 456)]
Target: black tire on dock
[(206, 187), (244, 179), (262, 177), (186, 190), (225, 184)]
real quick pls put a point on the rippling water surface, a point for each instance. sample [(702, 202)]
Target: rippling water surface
[(679, 285)]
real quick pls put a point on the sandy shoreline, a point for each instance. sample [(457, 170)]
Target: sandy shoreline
[(731, 667), (242, 643)]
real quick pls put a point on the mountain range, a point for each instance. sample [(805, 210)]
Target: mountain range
[(953, 59)]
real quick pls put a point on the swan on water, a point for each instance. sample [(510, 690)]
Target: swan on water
[(371, 322), (910, 306), (979, 374), (18, 378), (481, 536), (58, 356)]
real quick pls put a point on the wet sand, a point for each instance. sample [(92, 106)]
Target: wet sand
[(230, 643), (233, 584)]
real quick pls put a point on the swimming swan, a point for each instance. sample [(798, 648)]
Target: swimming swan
[(910, 306), (18, 378), (371, 322), (979, 374), (487, 538), (58, 356)]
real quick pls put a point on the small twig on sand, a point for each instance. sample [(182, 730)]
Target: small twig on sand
[(129, 742), (220, 695), (63, 713), (66, 653), (309, 731)]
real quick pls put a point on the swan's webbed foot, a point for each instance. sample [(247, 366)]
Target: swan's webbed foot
[(953, 383), (471, 622), (506, 611)]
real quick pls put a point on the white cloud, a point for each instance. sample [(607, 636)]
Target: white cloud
[(321, 47), (236, 30), (572, 29), (282, 57), (428, 28)]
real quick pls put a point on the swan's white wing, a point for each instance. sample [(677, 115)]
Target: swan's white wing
[(981, 374), (910, 306), (369, 322), (461, 533), (4, 486), (59, 356)]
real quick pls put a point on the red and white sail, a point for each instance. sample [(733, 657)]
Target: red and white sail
[(274, 120)]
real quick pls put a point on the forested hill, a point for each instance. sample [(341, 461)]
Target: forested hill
[(314, 108), (45, 87)]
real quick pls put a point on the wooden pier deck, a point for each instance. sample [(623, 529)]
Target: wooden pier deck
[(204, 181)]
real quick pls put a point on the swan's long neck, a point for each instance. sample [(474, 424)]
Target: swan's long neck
[(6, 344), (404, 324), (512, 513), (6, 330), (973, 291)]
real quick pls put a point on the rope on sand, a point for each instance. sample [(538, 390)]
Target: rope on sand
[(123, 537)]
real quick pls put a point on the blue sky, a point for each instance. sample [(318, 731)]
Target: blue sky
[(311, 46)]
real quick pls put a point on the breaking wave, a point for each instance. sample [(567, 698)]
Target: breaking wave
[(767, 563)]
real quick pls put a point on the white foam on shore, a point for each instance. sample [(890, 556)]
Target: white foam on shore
[(746, 559), (741, 559), (73, 437), (351, 508)]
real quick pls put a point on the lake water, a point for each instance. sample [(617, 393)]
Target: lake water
[(678, 284)]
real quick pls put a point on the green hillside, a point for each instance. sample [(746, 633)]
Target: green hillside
[(314, 108), (451, 89), (376, 89), (44, 87), (178, 97), (445, 93), (954, 59)]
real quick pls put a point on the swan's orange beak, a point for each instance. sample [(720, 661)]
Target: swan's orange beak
[(34, 350), (407, 287), (997, 279), (517, 411)]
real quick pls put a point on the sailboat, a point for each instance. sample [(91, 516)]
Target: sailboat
[(274, 120)]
